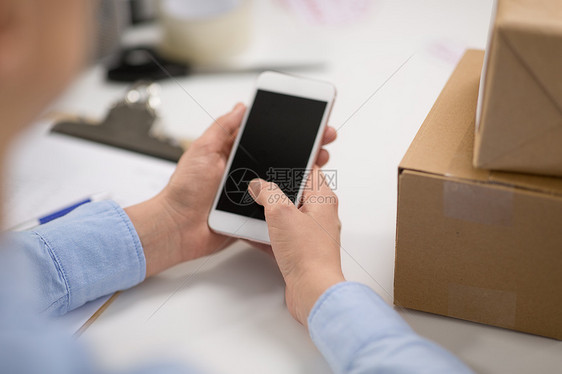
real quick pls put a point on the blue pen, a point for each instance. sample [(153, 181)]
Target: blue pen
[(59, 213)]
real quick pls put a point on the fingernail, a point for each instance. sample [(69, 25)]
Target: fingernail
[(254, 187)]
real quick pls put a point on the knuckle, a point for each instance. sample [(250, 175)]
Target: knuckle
[(217, 164), (270, 212), (204, 146), (277, 210), (212, 159), (221, 163)]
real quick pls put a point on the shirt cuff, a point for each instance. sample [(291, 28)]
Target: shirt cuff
[(342, 322), (96, 251)]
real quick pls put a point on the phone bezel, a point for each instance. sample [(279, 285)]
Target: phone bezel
[(239, 226)]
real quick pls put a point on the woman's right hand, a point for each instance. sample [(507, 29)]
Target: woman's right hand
[(305, 241)]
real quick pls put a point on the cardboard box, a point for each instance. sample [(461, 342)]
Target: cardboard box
[(474, 244), (520, 112)]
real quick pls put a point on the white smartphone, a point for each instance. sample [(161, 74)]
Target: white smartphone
[(278, 141)]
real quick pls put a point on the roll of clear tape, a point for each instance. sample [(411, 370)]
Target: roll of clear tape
[(204, 31)]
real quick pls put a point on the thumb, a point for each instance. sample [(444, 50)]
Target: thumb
[(269, 195)]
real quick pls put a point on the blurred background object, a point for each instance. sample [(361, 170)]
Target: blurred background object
[(112, 18), (132, 123), (142, 11), (143, 62), (203, 31), (160, 39)]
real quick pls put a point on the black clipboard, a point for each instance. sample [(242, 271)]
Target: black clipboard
[(127, 125)]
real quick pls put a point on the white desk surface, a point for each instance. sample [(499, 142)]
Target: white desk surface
[(226, 313)]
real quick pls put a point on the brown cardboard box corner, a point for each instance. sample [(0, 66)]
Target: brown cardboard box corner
[(520, 122), (474, 244)]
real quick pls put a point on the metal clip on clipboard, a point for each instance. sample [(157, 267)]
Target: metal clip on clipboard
[(129, 125)]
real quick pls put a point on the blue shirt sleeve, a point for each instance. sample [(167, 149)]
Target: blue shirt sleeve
[(357, 332), (59, 266), (90, 252)]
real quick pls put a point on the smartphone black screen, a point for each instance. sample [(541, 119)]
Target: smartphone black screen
[(275, 145)]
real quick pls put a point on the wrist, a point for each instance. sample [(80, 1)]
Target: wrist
[(159, 233), (305, 292)]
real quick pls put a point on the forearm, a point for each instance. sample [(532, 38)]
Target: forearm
[(358, 333)]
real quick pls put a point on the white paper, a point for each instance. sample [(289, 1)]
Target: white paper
[(47, 172)]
